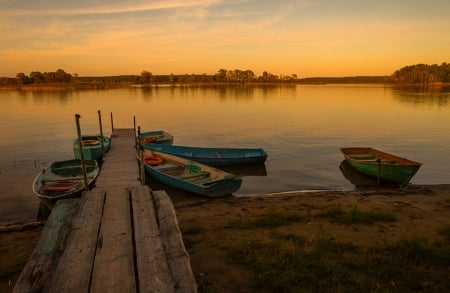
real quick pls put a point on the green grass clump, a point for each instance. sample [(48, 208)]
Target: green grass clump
[(273, 218), (356, 216), (445, 232), (291, 263)]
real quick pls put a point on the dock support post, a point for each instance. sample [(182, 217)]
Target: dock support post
[(80, 145)]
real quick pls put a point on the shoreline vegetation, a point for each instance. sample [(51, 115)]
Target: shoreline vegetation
[(368, 240), (419, 75)]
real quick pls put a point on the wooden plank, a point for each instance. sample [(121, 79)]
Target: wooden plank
[(73, 272), (177, 256), (151, 262), (40, 266), (113, 269)]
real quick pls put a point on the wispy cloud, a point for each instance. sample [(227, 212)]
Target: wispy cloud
[(86, 7)]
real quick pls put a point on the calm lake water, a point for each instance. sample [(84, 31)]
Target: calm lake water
[(302, 128)]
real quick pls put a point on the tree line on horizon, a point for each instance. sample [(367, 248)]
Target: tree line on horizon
[(422, 74), (413, 74)]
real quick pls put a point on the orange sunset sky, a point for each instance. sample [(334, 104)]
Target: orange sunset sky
[(304, 37)]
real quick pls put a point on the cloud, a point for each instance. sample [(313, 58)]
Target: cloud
[(86, 7)]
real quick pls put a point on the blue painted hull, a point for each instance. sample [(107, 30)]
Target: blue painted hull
[(92, 151), (193, 177), (214, 156)]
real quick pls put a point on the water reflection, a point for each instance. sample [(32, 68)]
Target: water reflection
[(426, 97), (221, 92), (247, 170)]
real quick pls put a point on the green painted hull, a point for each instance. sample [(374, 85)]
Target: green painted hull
[(383, 166)]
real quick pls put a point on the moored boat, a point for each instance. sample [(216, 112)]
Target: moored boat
[(64, 179), (94, 147), (381, 165), (157, 136), (213, 156), (188, 175)]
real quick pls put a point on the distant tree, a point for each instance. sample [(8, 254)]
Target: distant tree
[(146, 77), (221, 75), (37, 77), (62, 76), (22, 79), (422, 74)]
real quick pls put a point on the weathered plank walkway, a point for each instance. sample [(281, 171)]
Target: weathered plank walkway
[(119, 237)]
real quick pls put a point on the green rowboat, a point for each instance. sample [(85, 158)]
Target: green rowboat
[(380, 165)]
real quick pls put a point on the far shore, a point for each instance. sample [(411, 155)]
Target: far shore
[(99, 85)]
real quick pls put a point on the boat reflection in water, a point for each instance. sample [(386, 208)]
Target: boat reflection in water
[(359, 179), (247, 170)]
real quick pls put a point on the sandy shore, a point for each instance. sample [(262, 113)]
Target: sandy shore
[(421, 211)]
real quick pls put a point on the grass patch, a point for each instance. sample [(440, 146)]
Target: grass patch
[(445, 232), (356, 216), (289, 263), (189, 235), (193, 230), (273, 218)]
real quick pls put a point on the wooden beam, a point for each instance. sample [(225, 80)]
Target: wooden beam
[(38, 271), (151, 261), (73, 272), (113, 269), (177, 256)]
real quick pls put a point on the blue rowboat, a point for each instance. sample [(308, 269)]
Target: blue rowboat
[(213, 156), (188, 175), (157, 136), (64, 179), (94, 147), (380, 165)]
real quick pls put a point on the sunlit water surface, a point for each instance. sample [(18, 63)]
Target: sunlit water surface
[(301, 127)]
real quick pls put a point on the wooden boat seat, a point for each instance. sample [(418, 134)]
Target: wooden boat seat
[(202, 181), (166, 167), (193, 174)]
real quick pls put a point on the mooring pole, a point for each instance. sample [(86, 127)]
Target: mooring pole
[(112, 123), (138, 137), (134, 128), (80, 145), (101, 132)]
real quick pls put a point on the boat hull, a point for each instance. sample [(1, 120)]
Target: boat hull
[(92, 147), (63, 180), (214, 156), (157, 137), (215, 182), (381, 165)]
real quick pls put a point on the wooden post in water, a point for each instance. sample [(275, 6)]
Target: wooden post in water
[(112, 122), (101, 132), (134, 131), (80, 145), (138, 137)]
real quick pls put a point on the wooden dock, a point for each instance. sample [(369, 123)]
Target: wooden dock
[(119, 237)]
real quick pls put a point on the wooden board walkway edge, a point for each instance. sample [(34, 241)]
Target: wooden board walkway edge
[(50, 246), (172, 239)]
